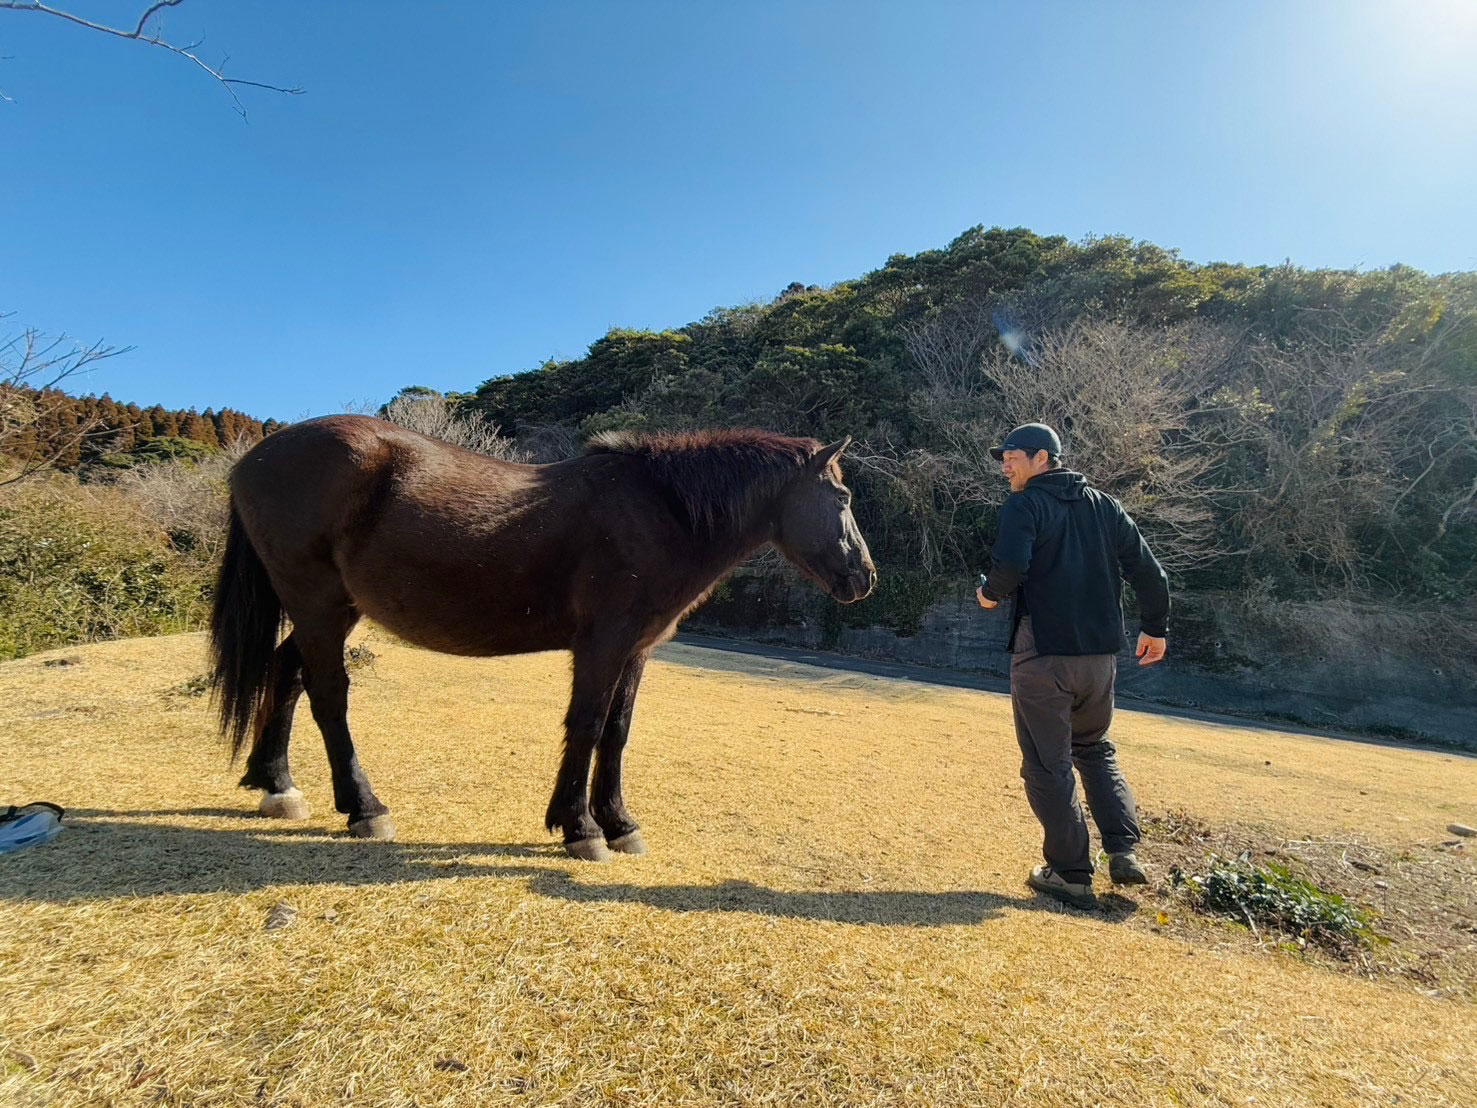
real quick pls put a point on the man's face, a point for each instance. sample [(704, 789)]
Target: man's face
[(1019, 467)]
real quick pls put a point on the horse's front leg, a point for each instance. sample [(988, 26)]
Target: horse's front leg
[(597, 669), (622, 833), (320, 640)]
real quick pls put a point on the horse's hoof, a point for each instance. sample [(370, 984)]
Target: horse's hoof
[(588, 850), (375, 827), (629, 843), (288, 805)]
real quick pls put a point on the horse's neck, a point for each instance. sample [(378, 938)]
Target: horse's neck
[(715, 551), (723, 554), (714, 556)]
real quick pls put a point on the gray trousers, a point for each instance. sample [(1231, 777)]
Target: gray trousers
[(1063, 705)]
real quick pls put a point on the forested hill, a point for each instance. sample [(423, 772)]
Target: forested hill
[(1291, 431), (849, 342)]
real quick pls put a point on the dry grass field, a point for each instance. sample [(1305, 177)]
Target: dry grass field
[(833, 911)]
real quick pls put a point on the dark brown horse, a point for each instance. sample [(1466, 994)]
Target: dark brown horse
[(601, 555)]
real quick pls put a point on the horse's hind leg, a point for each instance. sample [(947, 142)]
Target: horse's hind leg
[(321, 642), (266, 765), (622, 833)]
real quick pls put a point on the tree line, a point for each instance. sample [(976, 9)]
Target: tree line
[(74, 433)]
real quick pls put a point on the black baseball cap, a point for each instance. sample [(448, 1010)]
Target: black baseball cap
[(1029, 437)]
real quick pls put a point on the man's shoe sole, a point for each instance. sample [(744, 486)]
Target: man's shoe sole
[(1086, 903)]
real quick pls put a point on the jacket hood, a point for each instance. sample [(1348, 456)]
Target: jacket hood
[(1064, 484)]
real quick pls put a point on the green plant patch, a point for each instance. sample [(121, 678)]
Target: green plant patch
[(359, 658), (196, 686), (1272, 898)]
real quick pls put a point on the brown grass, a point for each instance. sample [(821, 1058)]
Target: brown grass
[(832, 913)]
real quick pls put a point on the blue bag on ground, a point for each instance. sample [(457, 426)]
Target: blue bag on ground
[(29, 825)]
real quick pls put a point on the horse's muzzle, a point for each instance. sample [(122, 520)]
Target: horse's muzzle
[(855, 586)]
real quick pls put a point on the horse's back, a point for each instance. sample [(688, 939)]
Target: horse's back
[(452, 550)]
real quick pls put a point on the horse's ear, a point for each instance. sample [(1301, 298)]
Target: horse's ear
[(826, 454)]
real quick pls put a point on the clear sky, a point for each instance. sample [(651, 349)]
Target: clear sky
[(468, 188)]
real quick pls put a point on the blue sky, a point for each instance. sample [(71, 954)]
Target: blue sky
[(469, 188)]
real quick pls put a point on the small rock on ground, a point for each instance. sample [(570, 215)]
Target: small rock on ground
[(280, 916)]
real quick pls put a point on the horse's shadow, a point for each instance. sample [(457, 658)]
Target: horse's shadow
[(104, 854)]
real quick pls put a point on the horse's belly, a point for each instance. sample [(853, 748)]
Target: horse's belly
[(456, 623)]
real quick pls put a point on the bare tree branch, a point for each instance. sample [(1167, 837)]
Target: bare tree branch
[(154, 39), (152, 9), (31, 370)]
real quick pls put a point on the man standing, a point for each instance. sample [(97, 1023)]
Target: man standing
[(1063, 551)]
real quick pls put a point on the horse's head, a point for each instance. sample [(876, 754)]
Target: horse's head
[(817, 533)]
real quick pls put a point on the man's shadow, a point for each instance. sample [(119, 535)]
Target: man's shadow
[(102, 854)]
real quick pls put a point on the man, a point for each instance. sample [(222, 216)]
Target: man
[(1062, 552)]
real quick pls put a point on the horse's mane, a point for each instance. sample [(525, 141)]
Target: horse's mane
[(720, 478)]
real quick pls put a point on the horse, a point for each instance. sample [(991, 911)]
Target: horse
[(344, 517)]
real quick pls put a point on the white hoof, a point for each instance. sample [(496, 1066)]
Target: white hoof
[(375, 827), (288, 805), (629, 843), (588, 850)]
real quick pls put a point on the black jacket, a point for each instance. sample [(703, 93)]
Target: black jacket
[(1064, 550)]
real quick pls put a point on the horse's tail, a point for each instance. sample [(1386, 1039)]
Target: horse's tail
[(244, 624)]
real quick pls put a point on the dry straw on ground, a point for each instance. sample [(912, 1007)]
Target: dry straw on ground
[(832, 913)]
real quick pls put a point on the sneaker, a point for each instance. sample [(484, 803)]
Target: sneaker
[(1124, 869), (1043, 880)]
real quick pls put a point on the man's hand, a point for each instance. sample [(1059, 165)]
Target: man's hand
[(1150, 651), (986, 602)]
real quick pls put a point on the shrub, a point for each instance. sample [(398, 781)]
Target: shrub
[(186, 501), (80, 564)]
